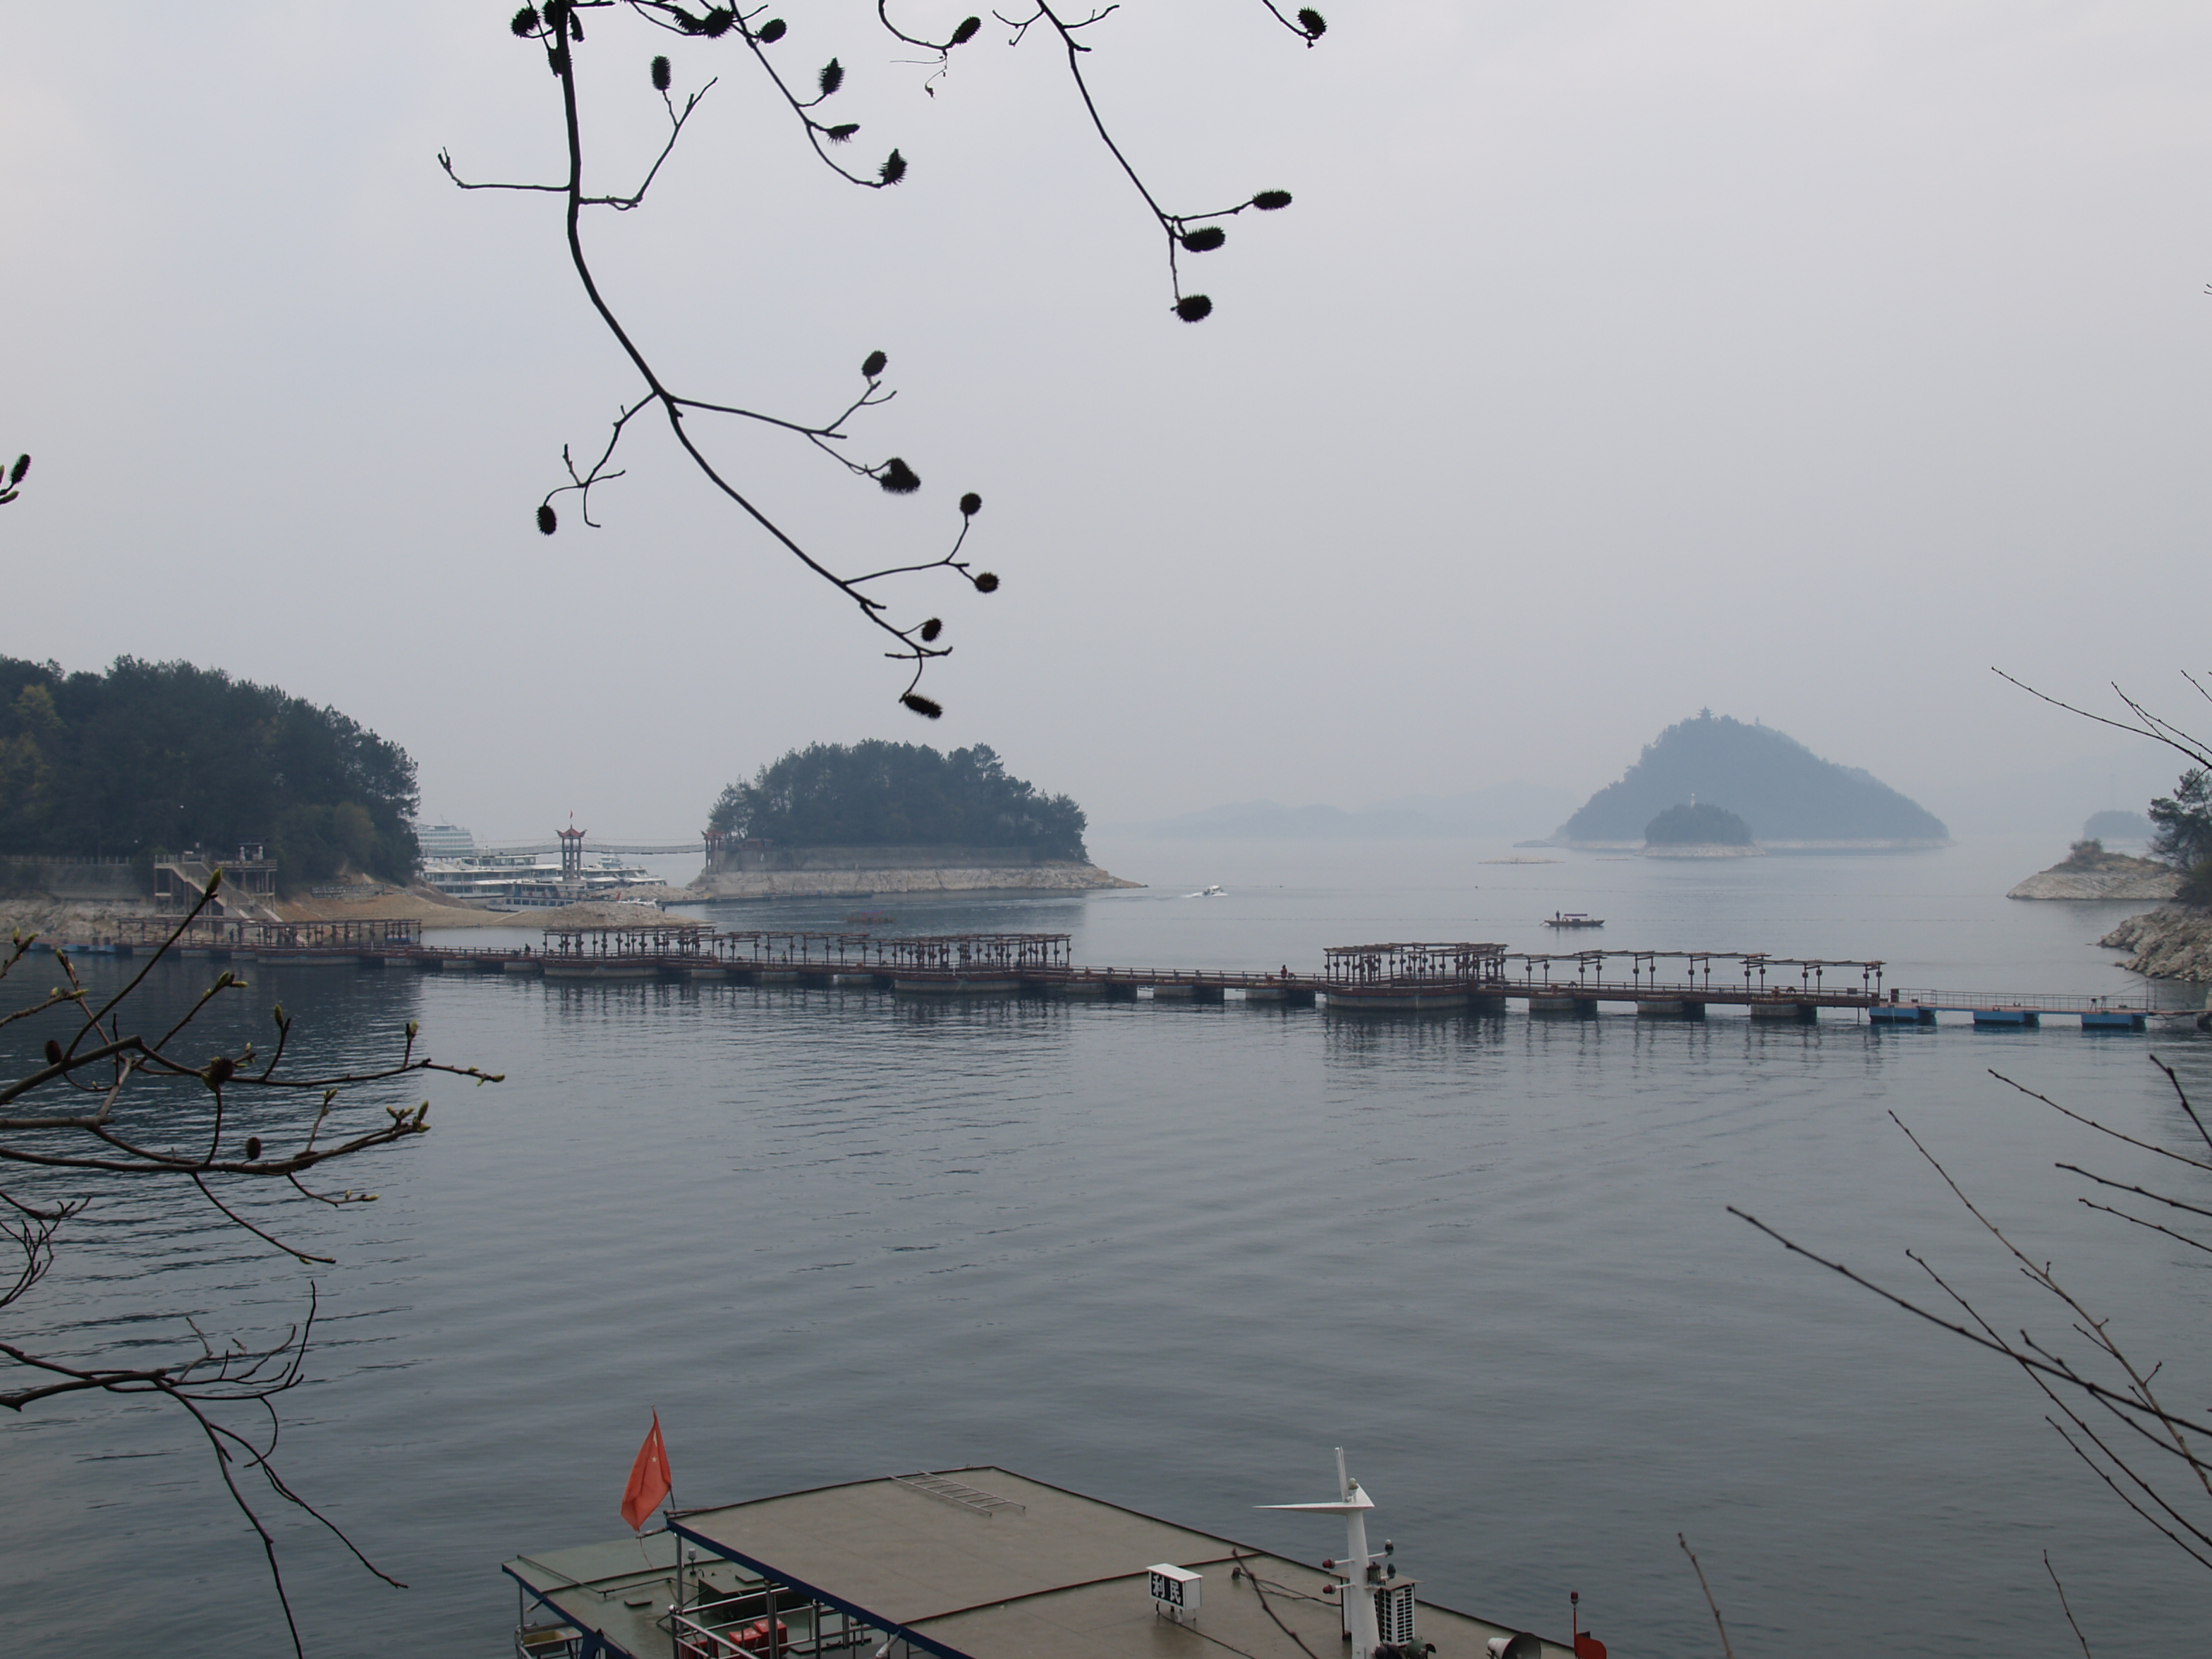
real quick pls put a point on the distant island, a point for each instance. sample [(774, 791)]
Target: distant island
[(876, 817), (2115, 824), (1785, 794), (1698, 830)]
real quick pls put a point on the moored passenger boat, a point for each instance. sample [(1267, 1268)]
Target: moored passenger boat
[(984, 1564)]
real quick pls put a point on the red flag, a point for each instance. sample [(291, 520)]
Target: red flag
[(649, 1480)]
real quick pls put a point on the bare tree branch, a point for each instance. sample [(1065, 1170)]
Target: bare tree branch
[(136, 1080), (2135, 1405), (2147, 725), (2063, 1603), (558, 29)]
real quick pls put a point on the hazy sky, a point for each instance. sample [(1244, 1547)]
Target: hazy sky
[(1615, 360)]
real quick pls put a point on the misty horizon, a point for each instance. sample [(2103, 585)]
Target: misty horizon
[(1610, 363)]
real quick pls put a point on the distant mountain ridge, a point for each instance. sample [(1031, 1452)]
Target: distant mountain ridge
[(1778, 786), (1497, 809)]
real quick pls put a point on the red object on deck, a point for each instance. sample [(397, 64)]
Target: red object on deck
[(1588, 1646), (719, 1643), (649, 1480)]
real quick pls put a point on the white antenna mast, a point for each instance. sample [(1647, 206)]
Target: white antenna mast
[(1357, 1566)]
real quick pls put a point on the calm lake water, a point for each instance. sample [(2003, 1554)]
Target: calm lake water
[(1170, 1256)]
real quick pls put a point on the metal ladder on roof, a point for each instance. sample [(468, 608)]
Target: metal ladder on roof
[(951, 1491)]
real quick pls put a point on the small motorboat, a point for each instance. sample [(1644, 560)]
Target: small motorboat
[(1573, 919)]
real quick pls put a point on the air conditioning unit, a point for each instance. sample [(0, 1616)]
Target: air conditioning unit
[(1394, 1611), (1175, 1591)]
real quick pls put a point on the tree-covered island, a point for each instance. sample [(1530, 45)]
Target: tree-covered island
[(1697, 824), (899, 794), (1781, 789), (879, 818), (155, 757)]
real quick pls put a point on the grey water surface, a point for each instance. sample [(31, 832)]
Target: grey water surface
[(1170, 1256)]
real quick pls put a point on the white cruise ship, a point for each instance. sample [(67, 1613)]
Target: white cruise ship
[(521, 879)]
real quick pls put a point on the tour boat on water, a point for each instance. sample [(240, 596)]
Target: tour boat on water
[(1573, 919), (979, 1564)]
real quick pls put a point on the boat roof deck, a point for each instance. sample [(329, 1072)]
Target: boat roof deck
[(1020, 1569)]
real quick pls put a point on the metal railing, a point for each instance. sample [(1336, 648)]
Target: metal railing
[(697, 1641), (2034, 1001)]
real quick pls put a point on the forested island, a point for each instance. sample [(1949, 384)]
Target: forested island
[(898, 794), (1698, 830), (1780, 789), (155, 757), (880, 817)]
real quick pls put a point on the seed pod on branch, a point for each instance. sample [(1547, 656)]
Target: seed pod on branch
[(1203, 239), (1312, 22), (932, 628), (840, 133), (970, 505), (927, 707), (771, 32), (660, 74), (966, 32), (524, 22), (831, 78), (1193, 307), (893, 169), (220, 1071), (717, 22), (1268, 200), (898, 478), (548, 520), (54, 1052), (15, 472), (874, 364), (985, 582), (253, 1148)]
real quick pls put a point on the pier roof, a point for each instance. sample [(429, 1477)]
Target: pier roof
[(1001, 1566), (966, 1563)]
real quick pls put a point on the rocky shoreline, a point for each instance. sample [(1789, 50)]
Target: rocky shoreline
[(872, 883), (2098, 885), (2169, 943), (83, 921), (2091, 872)]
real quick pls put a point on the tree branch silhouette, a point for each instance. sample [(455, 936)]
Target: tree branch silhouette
[(108, 1098), (558, 30), (2144, 724), (2135, 1417)]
